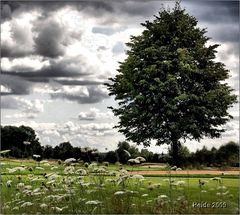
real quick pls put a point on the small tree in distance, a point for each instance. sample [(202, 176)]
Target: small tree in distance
[(170, 88)]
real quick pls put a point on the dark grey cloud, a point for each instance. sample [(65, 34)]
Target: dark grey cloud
[(214, 11), (102, 9), (95, 95), (100, 6), (7, 8), (139, 8), (50, 39), (221, 18), (78, 82), (6, 12), (17, 86), (68, 67), (224, 32), (13, 52), (96, 8)]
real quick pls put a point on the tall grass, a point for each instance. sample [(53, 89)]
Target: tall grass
[(95, 189)]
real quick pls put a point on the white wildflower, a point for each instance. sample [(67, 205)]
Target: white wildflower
[(157, 185), (20, 185), (133, 161), (139, 177), (44, 161), (113, 173), (54, 167), (168, 180), (144, 195), (26, 192), (16, 208), (69, 170), (141, 159), (9, 183), (20, 202), (51, 182), (102, 170), (28, 187), (60, 209), (179, 183), (132, 192), (20, 169), (93, 202), (81, 172), (119, 193), (123, 172), (174, 168), (53, 177), (92, 165), (216, 179), (39, 168), (25, 204), (162, 197), (43, 206), (36, 179), (36, 156), (221, 187), (37, 193), (70, 160), (86, 184)]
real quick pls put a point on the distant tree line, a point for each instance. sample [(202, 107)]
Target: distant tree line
[(23, 143), (226, 155)]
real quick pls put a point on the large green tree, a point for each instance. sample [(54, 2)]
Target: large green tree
[(170, 87)]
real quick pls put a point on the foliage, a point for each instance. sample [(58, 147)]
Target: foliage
[(170, 87), (184, 156), (13, 138), (226, 156), (125, 151)]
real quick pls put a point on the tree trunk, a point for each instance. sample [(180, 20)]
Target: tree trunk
[(175, 158)]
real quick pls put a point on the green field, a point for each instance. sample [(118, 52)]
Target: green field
[(52, 188)]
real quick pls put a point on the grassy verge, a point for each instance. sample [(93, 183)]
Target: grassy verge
[(59, 189)]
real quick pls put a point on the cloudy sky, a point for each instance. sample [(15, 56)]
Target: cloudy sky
[(55, 57)]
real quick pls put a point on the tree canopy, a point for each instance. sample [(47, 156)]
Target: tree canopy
[(15, 138), (170, 86)]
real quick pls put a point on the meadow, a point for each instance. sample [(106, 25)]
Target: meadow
[(54, 187)]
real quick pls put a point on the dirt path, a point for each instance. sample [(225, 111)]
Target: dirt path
[(190, 172)]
